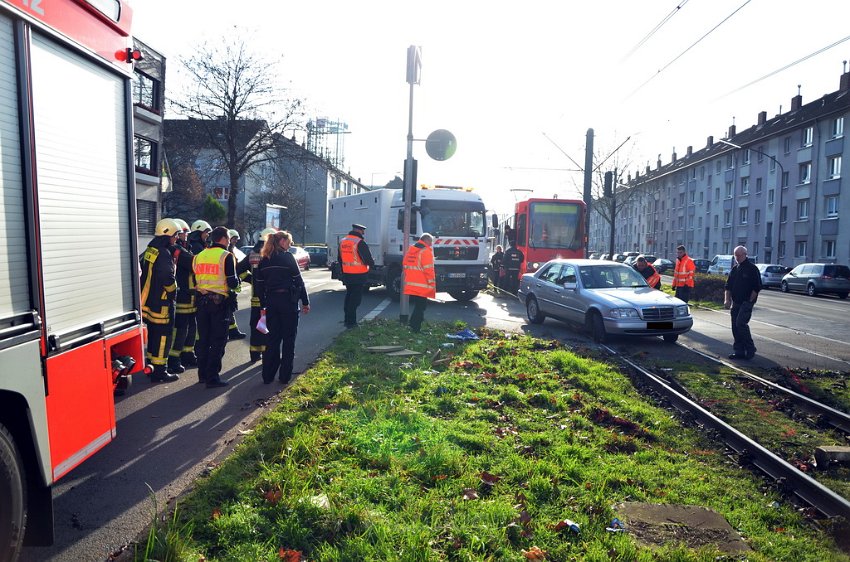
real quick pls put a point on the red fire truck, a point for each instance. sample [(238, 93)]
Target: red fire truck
[(544, 229), (70, 322)]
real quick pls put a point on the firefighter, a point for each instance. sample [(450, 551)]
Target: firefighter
[(182, 352), (355, 260), (198, 238), (158, 291), (247, 271), (216, 285), (234, 332), (420, 281)]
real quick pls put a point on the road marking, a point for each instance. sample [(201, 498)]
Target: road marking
[(377, 310), (796, 331)]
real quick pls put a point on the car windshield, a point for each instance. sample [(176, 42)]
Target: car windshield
[(610, 277), (453, 218)]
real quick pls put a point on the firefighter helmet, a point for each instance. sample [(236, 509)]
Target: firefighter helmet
[(184, 226), (233, 234), (266, 232), (201, 225), (167, 227)]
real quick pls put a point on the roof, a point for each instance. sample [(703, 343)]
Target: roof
[(195, 133)]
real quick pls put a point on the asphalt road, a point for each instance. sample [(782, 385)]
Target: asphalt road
[(169, 434)]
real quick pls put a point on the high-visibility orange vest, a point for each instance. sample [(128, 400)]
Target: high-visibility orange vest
[(419, 277), (350, 257), (683, 274), (654, 279)]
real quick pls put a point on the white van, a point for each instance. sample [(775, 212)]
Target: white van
[(721, 264)]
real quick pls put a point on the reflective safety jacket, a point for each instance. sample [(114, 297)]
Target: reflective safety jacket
[(653, 279), (419, 277), (185, 277), (157, 281), (683, 274), (209, 268), (349, 256)]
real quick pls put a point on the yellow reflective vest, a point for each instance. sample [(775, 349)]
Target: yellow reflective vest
[(209, 271)]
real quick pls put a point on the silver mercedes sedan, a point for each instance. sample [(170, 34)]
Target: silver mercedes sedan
[(608, 298)]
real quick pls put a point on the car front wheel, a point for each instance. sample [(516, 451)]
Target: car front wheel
[(532, 309), (597, 328), (784, 287), (670, 338)]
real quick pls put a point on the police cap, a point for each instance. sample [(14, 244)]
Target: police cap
[(358, 227)]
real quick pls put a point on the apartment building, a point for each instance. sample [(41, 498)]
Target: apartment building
[(774, 188)]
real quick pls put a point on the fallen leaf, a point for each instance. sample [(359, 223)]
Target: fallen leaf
[(289, 555), (534, 553), (470, 494), (273, 496), (489, 479), (216, 513)]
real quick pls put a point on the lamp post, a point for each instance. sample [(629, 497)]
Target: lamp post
[(779, 185)]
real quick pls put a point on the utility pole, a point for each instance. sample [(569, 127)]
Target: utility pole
[(611, 201), (588, 182), (414, 74)]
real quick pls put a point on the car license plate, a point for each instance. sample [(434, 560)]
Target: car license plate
[(457, 275), (659, 325)]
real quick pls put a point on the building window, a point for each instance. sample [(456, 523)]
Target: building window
[(701, 194), (726, 247), (221, 193), (716, 220), (146, 211), (757, 216), (803, 209), (702, 172), (145, 155), (728, 189), (758, 186), (746, 156), (786, 177), (730, 162), (145, 92), (770, 197), (717, 167), (832, 206), (806, 137), (743, 215), (805, 172), (717, 194), (838, 127), (772, 166), (699, 222), (781, 250), (829, 249), (745, 186), (727, 218), (787, 145), (833, 164), (761, 154), (783, 214), (755, 250), (800, 249)]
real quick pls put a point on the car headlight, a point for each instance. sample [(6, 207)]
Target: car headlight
[(682, 311), (624, 313)]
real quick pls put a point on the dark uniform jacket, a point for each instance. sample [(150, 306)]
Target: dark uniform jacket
[(513, 259), (365, 257), (185, 277), (157, 280), (280, 274), (744, 278), (247, 270)]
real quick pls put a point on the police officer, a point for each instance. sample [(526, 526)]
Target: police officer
[(198, 238), (420, 280), (249, 265), (182, 352), (282, 288), (235, 333), (215, 275), (355, 259), (512, 262), (158, 291)]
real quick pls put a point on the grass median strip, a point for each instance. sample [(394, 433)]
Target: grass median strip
[(505, 448)]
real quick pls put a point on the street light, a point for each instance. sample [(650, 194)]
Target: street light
[(779, 184)]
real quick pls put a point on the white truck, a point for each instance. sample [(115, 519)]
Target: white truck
[(456, 217)]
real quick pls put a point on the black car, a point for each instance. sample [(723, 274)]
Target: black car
[(318, 255), (702, 265)]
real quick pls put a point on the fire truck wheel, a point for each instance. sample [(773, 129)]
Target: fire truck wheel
[(12, 486), (394, 283)]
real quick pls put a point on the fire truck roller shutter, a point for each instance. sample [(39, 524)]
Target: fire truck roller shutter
[(14, 285), (83, 194)]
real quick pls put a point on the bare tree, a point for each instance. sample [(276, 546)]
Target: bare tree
[(234, 96)]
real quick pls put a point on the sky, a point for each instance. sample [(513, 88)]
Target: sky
[(520, 84)]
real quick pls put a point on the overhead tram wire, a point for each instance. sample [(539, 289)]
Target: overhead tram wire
[(786, 67), (680, 55), (654, 30)]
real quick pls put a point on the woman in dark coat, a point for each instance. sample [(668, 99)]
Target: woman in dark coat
[(281, 289)]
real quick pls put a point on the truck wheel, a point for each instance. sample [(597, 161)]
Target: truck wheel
[(463, 295), (394, 284), (13, 515)]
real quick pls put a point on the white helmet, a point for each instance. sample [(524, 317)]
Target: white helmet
[(233, 234), (201, 225), (266, 232), (167, 227), (184, 226)]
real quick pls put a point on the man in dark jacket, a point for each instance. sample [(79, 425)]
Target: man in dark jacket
[(158, 288), (742, 289), (355, 260), (512, 262), (182, 353), (199, 236)]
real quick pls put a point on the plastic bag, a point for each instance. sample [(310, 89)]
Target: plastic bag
[(261, 323)]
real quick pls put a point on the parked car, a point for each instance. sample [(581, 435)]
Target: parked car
[(619, 258), (662, 265), (301, 256), (630, 257), (814, 278), (721, 264), (702, 265), (772, 274), (318, 254), (607, 298), (594, 255)]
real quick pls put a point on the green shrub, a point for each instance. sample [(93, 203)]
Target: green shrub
[(708, 288)]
